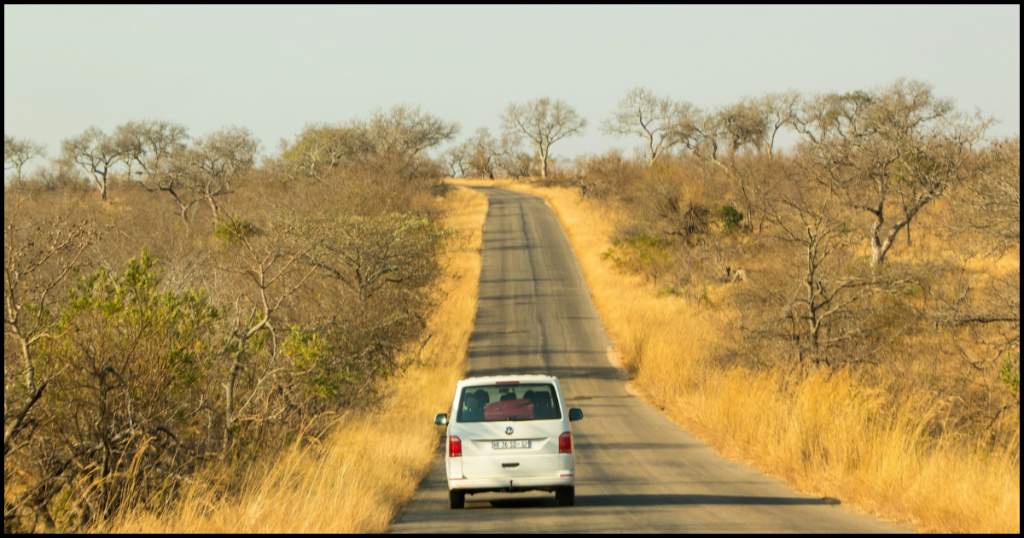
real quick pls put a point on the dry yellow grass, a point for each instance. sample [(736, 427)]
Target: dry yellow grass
[(825, 434), (368, 468)]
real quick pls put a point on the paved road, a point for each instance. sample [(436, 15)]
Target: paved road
[(636, 471)]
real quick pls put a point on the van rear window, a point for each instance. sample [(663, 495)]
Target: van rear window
[(492, 403)]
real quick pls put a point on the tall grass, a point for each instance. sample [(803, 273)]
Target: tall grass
[(828, 433), (368, 468)]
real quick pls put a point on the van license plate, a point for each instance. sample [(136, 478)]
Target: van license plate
[(524, 443)]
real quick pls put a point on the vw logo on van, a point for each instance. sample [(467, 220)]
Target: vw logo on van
[(509, 430)]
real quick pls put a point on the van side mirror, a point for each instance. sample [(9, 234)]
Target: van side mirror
[(575, 414), (441, 419)]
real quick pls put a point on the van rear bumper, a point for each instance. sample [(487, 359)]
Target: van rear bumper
[(477, 485)]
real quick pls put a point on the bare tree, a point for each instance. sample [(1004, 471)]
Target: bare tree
[(990, 201), (744, 125), (780, 110), (512, 160), (896, 149), (97, 153), (38, 257), (18, 152), (820, 312), (159, 150), (206, 170), (320, 148), (402, 133), (544, 122), (39, 254), (660, 121), (756, 122), (483, 151), (275, 271), (218, 159), (987, 209), (368, 254), (455, 159), (706, 132), (176, 177), (148, 144), (991, 312)]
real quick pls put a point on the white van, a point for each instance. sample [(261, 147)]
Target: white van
[(510, 434)]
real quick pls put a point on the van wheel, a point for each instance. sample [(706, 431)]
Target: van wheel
[(566, 496), (456, 499)]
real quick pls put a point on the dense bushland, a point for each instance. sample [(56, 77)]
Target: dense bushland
[(204, 308), (356, 478)]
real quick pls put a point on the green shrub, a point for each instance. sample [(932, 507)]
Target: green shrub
[(641, 254), (131, 369), (316, 364), (232, 230), (730, 218), (1010, 372)]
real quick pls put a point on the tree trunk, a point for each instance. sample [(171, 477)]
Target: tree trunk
[(544, 164), (880, 247), (878, 250), (30, 371), (213, 207), (229, 405)]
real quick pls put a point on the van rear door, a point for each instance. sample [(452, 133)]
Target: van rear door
[(510, 449), (510, 430)]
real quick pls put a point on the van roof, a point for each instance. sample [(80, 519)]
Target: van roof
[(483, 380)]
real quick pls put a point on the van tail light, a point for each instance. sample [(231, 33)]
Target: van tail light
[(565, 443), (455, 446)]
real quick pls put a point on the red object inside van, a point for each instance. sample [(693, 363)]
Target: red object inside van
[(510, 409)]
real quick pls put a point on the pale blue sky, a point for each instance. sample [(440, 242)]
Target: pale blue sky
[(274, 69)]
